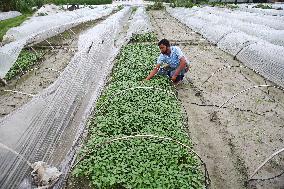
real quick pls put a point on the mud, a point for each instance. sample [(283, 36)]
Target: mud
[(235, 139)]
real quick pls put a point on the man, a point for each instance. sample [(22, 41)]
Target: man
[(171, 62)]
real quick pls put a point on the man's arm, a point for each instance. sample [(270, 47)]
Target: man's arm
[(181, 66), (153, 72)]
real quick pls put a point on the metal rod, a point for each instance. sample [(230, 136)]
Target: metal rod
[(49, 44), (34, 50), (72, 31)]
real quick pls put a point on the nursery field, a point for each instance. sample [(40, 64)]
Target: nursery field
[(157, 153), (73, 94)]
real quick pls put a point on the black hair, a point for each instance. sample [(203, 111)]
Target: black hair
[(164, 42)]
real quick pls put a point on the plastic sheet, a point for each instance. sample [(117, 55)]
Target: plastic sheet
[(10, 14)]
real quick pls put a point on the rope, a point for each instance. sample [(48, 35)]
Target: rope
[(265, 161), (220, 69), (270, 178), (257, 86)]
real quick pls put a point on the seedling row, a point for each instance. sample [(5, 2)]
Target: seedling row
[(130, 107)]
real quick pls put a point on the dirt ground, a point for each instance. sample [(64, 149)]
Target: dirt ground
[(235, 139)]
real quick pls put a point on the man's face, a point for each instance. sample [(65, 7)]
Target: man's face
[(163, 49)]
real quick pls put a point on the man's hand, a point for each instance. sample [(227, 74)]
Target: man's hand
[(174, 78), (153, 72), (144, 81)]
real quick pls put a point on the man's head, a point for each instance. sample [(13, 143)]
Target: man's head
[(164, 46)]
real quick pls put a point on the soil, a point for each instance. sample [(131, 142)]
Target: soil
[(235, 139)]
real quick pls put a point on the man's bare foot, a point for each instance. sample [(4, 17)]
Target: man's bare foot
[(176, 83)]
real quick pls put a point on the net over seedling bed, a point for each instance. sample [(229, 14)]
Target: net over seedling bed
[(257, 45), (40, 28), (49, 125)]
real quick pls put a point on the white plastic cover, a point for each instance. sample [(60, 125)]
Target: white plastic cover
[(224, 17), (248, 36), (10, 14), (265, 58), (39, 24), (48, 9), (275, 22), (234, 42), (140, 22), (260, 11)]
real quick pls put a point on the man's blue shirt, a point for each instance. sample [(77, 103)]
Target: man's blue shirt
[(173, 58)]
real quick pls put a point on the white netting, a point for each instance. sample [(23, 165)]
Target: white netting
[(48, 10), (140, 22), (8, 55), (48, 132), (39, 24), (265, 58), (38, 29), (189, 17), (236, 32), (10, 14), (234, 42), (224, 17), (215, 34), (278, 5), (215, 22), (249, 8), (275, 22), (200, 22)]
